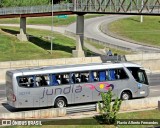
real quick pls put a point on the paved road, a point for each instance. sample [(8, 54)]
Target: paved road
[(92, 31), (2, 92)]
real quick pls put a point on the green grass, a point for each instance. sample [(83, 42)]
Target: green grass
[(59, 45), (38, 48), (114, 50), (47, 20), (147, 32), (62, 126), (151, 114)]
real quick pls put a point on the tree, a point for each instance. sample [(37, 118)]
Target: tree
[(19, 3), (108, 112), (15, 3)]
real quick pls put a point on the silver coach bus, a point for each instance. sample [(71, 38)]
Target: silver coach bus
[(70, 84)]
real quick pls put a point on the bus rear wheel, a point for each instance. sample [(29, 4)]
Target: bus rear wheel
[(125, 95), (60, 102)]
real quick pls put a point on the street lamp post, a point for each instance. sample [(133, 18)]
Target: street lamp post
[(52, 28), (75, 5), (142, 8)]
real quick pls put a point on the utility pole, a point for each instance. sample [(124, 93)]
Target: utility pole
[(142, 8), (52, 28), (75, 5)]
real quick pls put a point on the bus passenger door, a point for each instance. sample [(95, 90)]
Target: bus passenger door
[(142, 84), (82, 94)]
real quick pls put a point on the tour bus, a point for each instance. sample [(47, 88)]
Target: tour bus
[(60, 86)]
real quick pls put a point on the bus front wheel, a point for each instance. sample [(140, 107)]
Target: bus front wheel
[(60, 102), (125, 95)]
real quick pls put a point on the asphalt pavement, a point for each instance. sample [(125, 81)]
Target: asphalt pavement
[(92, 30)]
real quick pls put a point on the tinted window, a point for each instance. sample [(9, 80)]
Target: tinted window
[(42, 80), (108, 75), (60, 79), (26, 81), (79, 77), (139, 75)]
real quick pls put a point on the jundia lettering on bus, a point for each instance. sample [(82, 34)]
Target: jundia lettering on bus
[(99, 87), (66, 90)]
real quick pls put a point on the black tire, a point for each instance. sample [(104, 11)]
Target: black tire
[(125, 96), (60, 102)]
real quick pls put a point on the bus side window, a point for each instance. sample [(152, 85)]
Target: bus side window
[(73, 78), (31, 81), (123, 74), (64, 78), (111, 74), (120, 74), (21, 82), (26, 81), (117, 74), (37, 81), (79, 77), (84, 76), (43, 81), (94, 76), (48, 79), (54, 80), (107, 75), (91, 76), (58, 79), (102, 76)]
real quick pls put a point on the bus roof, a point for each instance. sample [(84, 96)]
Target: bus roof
[(71, 68)]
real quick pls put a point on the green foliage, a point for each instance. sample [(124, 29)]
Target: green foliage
[(14, 3), (146, 33), (66, 1), (38, 46), (107, 110)]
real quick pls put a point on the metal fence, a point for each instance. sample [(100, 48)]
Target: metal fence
[(36, 9), (119, 6), (104, 6)]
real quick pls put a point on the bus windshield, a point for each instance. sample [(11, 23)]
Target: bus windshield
[(139, 75)]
